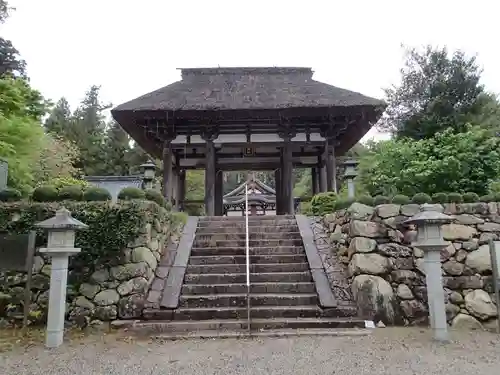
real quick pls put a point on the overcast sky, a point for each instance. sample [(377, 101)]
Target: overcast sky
[(133, 47)]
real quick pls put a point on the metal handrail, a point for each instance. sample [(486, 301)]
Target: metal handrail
[(247, 254)]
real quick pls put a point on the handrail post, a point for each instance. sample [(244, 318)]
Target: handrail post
[(247, 251)]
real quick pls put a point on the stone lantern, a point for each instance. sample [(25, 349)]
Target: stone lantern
[(60, 246), (430, 240), (349, 174), (148, 169)]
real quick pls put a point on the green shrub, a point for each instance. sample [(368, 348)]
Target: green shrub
[(96, 194), (421, 198), (440, 198), (343, 203), (62, 182), (381, 199), (194, 209), (71, 192), (130, 193), (45, 194), (179, 218), (366, 199), (10, 195), (168, 206), (323, 203), (496, 197), (400, 199), (455, 198), (155, 196), (471, 197), (487, 198)]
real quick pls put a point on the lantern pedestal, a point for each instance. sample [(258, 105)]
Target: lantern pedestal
[(430, 240)]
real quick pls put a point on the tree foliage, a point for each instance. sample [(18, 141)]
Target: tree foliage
[(21, 135), (438, 91), (448, 162), (10, 61)]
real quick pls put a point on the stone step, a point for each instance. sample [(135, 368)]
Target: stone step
[(241, 259), (240, 278), (296, 287), (150, 327), (240, 300), (238, 236), (281, 333), (252, 229), (242, 224), (256, 312), (203, 219), (241, 250), (241, 268), (252, 243)]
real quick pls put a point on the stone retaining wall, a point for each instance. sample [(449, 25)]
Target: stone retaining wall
[(113, 291), (387, 275)]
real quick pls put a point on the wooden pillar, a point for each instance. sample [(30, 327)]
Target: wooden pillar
[(314, 180), (209, 178), (321, 173), (174, 183), (219, 205), (181, 189), (278, 184), (167, 171), (287, 178), (331, 169)]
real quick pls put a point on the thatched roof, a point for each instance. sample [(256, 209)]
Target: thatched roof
[(246, 88)]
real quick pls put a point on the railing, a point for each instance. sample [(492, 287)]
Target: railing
[(247, 255)]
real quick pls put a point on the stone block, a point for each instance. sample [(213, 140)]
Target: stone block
[(373, 264)]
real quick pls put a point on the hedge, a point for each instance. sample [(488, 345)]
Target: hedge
[(325, 203), (111, 227)]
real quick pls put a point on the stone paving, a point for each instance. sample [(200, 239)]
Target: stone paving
[(389, 351)]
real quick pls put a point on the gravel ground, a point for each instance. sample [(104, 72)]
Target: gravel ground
[(388, 351)]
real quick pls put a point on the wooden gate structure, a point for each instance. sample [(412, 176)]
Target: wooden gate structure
[(221, 119)]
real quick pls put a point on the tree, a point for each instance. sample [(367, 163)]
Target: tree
[(117, 148), (438, 90), (88, 131), (56, 160), (59, 120), (20, 132), (448, 162), (10, 61)]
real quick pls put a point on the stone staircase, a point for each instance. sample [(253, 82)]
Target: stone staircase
[(283, 294)]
